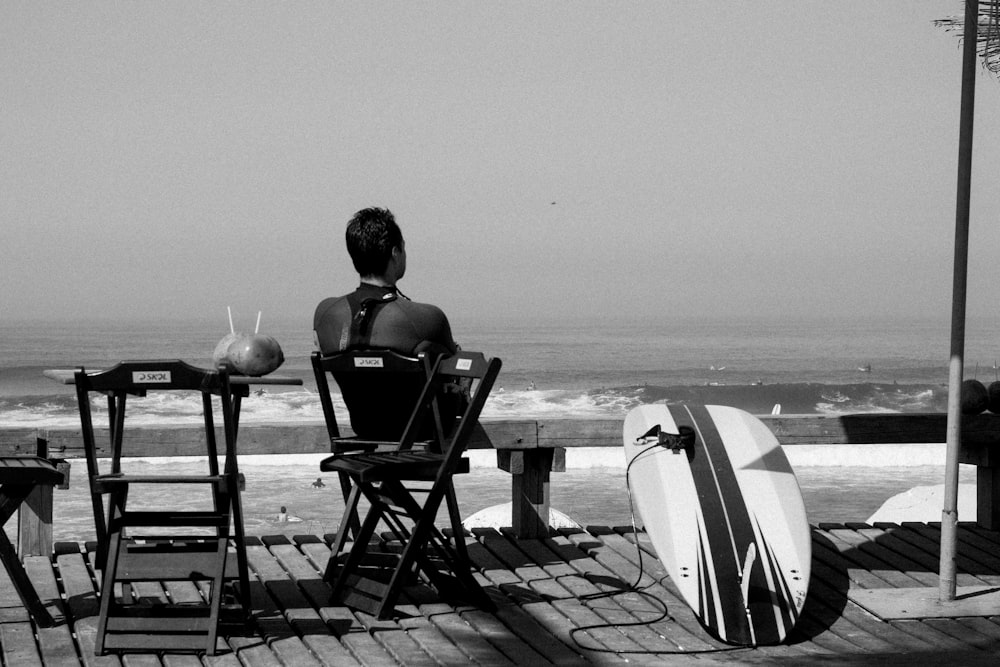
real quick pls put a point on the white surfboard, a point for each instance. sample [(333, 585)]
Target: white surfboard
[(724, 513)]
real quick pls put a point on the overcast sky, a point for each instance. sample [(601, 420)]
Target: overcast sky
[(597, 160)]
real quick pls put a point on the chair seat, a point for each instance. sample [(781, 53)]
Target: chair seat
[(395, 465), (343, 446), (175, 560)]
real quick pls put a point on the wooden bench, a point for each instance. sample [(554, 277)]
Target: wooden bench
[(20, 477), (34, 516)]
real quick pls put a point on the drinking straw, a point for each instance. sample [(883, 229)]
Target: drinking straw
[(257, 328), (230, 311)]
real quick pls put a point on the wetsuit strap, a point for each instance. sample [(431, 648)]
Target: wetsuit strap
[(362, 315)]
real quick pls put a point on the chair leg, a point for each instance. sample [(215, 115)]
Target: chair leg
[(216, 592), (349, 491), (456, 522), (357, 551), (350, 510), (425, 532), (239, 540), (110, 569)]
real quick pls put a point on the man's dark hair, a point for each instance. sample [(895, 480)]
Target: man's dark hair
[(371, 235)]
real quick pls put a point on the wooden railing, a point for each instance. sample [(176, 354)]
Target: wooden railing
[(531, 450)]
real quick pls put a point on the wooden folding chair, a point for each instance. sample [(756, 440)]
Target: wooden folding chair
[(391, 483), (196, 547), (381, 390)]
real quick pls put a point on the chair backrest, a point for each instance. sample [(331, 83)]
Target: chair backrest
[(138, 378), (468, 376), (380, 389)]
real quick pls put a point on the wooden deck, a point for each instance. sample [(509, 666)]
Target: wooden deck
[(540, 587)]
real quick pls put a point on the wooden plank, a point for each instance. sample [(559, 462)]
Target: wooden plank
[(272, 617), (394, 639), (82, 606), (920, 563), (542, 598), (618, 556), (982, 565), (970, 636), (612, 604), (853, 547), (510, 613), (353, 635), (56, 643), (829, 592), (299, 607), (943, 642), (491, 629), (18, 644), (141, 660), (351, 642), (431, 640), (925, 603), (34, 522), (612, 571), (448, 621)]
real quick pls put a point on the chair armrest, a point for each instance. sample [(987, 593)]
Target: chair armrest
[(355, 445)]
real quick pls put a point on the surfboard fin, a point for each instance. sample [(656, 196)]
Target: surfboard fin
[(745, 574), (745, 587)]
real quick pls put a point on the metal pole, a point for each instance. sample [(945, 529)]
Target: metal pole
[(949, 514)]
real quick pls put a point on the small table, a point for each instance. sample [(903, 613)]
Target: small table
[(19, 475)]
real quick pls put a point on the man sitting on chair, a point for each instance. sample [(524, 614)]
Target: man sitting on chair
[(378, 315)]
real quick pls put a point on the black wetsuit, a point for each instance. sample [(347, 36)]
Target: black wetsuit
[(382, 318)]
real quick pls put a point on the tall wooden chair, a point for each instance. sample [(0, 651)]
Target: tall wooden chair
[(381, 390), (405, 487), (197, 542)]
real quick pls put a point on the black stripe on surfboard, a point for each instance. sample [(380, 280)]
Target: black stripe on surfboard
[(787, 608), (730, 533)]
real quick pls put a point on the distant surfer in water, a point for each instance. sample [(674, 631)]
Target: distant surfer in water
[(318, 484), (285, 517)]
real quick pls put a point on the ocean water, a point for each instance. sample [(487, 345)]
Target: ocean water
[(551, 370)]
